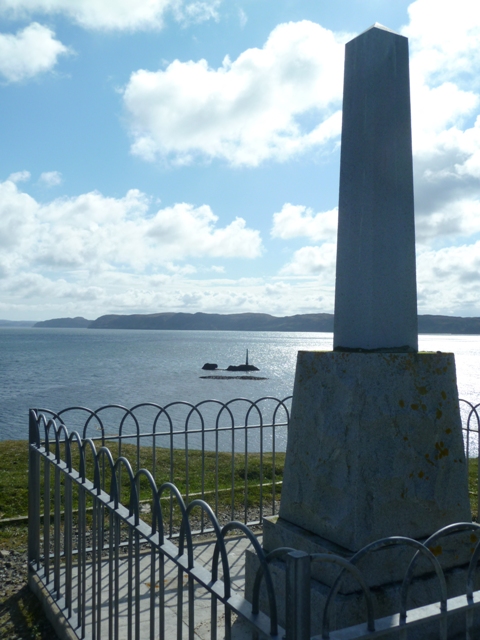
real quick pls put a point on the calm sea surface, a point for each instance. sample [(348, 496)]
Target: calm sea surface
[(56, 368)]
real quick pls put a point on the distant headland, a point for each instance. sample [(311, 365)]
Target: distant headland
[(247, 322), (64, 323)]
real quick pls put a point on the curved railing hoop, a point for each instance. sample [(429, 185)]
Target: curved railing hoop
[(88, 443), (133, 502), (264, 571), (206, 508), (389, 542), (157, 517), (74, 435), (346, 565), (104, 452), (160, 411), (173, 490)]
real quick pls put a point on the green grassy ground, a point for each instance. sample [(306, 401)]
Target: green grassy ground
[(203, 473)]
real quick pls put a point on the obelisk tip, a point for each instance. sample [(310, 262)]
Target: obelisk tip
[(377, 25)]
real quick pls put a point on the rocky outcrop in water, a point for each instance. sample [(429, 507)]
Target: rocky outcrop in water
[(242, 367)]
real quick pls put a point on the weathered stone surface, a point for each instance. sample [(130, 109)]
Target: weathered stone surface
[(375, 291), (375, 447), (381, 568), (350, 609)]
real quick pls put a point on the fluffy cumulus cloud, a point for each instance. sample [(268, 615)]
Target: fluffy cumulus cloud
[(51, 178), (445, 88), (92, 254), (29, 52), (449, 280), (312, 260), (19, 176), (94, 231), (115, 14), (257, 107), (92, 247), (296, 221)]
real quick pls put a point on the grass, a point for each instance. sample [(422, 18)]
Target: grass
[(14, 480), (473, 486), (203, 471), (22, 616)]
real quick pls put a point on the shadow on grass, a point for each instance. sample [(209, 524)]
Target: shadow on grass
[(22, 617)]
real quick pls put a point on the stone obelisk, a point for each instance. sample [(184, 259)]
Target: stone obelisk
[(369, 418), (375, 291), (375, 445)]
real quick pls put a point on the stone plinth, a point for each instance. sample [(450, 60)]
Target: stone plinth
[(350, 607), (381, 567), (374, 447), (375, 290)]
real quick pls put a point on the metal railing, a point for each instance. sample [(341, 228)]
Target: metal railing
[(115, 571), (94, 563), (214, 451), (165, 440), (470, 415)]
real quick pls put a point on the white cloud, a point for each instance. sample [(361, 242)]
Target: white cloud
[(29, 52), (445, 89), (17, 213), (183, 270), (246, 111), (115, 14), (242, 17), (198, 11), (309, 261), (36, 296), (450, 221), (92, 254), (191, 230), (444, 37), (94, 232), (19, 176), (51, 178), (449, 279), (296, 221)]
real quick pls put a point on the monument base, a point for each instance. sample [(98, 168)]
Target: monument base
[(375, 449), (386, 566), (350, 608)]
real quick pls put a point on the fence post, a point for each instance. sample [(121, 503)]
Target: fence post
[(297, 604), (33, 491)]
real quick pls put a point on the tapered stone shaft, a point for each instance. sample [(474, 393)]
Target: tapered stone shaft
[(375, 294)]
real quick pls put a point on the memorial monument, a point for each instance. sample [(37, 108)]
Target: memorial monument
[(375, 445)]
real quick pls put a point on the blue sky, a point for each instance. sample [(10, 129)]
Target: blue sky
[(183, 155)]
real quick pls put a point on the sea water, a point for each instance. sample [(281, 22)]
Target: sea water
[(57, 368)]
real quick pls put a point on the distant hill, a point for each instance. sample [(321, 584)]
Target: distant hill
[(64, 323), (17, 323), (448, 324), (217, 322), (247, 322)]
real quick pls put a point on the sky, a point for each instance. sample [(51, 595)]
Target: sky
[(183, 155)]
